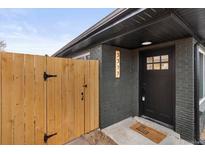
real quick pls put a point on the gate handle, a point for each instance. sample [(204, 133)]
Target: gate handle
[(82, 96), (85, 85)]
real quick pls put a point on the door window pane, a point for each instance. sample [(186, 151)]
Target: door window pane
[(156, 59), (157, 66), (149, 67), (164, 58), (164, 66), (149, 60)]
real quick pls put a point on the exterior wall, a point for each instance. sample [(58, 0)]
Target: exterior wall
[(135, 82), (184, 59), (116, 94)]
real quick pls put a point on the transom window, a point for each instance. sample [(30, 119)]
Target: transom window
[(158, 62)]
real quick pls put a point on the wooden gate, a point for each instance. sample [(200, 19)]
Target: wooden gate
[(47, 100)]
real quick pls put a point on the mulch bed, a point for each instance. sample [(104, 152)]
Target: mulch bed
[(202, 136), (98, 138)]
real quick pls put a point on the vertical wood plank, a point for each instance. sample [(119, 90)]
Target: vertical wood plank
[(92, 95), (50, 94), (7, 78), (18, 99), (66, 109), (29, 100), (87, 97), (58, 101), (71, 100), (97, 105), (39, 99), (79, 100)]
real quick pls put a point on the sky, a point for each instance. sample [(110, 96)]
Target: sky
[(44, 31)]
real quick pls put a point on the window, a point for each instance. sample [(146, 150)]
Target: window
[(158, 62), (201, 75), (84, 56)]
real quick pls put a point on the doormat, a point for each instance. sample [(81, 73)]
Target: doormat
[(148, 132)]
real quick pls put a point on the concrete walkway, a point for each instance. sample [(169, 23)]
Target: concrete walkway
[(123, 135)]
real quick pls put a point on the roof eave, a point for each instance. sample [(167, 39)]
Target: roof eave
[(114, 15)]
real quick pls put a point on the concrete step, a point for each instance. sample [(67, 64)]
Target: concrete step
[(122, 134)]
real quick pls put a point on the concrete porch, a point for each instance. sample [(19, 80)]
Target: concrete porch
[(123, 135)]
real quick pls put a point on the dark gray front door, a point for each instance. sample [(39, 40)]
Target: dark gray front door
[(156, 84)]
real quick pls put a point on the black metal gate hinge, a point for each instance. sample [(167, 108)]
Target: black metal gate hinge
[(46, 76), (46, 137)]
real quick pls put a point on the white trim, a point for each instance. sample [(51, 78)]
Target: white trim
[(81, 55), (202, 100), (203, 53)]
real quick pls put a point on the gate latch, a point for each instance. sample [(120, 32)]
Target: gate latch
[(46, 76), (46, 137), (85, 85)]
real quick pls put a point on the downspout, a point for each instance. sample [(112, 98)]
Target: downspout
[(196, 93)]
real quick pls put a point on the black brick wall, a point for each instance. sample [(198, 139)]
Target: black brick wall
[(116, 94), (185, 88)]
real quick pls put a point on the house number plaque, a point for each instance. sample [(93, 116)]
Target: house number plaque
[(117, 64)]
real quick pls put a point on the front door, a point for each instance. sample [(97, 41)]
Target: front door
[(157, 84)]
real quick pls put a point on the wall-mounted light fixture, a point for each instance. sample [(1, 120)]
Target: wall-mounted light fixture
[(117, 64)]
